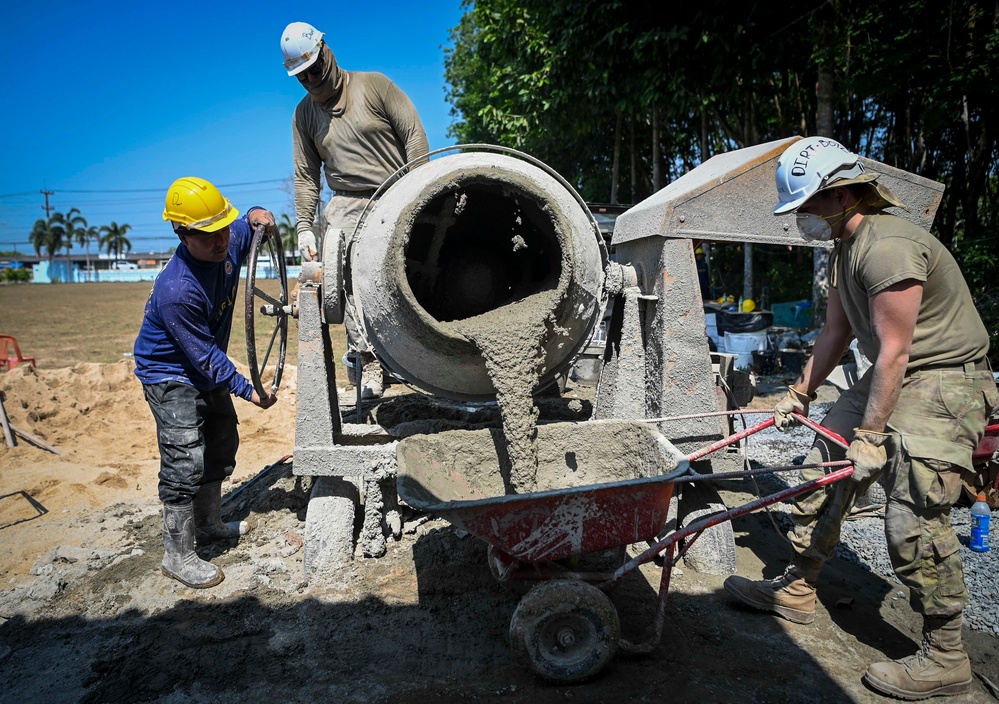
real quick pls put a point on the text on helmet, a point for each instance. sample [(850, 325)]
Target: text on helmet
[(800, 164)]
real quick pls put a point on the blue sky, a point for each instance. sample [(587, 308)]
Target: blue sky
[(108, 102)]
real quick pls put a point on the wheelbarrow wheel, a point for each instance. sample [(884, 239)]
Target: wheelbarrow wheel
[(565, 630)]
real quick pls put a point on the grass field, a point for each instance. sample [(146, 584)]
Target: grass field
[(62, 325)]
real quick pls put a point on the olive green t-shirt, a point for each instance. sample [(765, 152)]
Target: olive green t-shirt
[(885, 250)]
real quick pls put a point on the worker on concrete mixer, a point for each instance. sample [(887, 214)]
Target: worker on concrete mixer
[(188, 381), (912, 421), (358, 128)]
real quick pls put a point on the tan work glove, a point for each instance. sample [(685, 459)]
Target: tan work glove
[(868, 453), (794, 402)]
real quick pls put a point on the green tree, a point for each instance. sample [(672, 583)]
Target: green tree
[(85, 237), (622, 98), (75, 226), (289, 237), (114, 240), (48, 235)]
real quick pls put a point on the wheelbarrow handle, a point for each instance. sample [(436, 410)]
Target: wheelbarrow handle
[(822, 430), (730, 440)]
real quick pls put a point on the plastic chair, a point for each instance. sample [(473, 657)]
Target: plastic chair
[(10, 354)]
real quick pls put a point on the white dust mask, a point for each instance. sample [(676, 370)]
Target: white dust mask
[(813, 228)]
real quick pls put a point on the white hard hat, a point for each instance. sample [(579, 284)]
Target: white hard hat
[(300, 44), (810, 165)]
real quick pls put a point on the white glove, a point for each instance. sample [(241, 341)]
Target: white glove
[(307, 245)]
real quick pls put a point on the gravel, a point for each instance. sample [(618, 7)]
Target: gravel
[(862, 540)]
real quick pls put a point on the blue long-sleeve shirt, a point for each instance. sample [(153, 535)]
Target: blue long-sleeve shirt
[(185, 329)]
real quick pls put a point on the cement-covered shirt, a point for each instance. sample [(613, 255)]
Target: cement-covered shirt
[(185, 330), (886, 250), (379, 132)]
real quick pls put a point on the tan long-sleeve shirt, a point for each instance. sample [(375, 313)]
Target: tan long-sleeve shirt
[(378, 132)]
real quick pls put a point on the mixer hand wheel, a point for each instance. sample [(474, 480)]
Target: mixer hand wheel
[(266, 282)]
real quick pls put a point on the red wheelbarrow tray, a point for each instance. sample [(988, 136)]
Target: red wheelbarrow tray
[(602, 484)]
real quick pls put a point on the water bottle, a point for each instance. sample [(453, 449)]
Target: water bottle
[(981, 515), (741, 302)]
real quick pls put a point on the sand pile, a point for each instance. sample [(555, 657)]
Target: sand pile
[(96, 416)]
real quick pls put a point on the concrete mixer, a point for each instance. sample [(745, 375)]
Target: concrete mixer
[(478, 278)]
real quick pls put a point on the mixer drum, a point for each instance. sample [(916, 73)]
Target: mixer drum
[(482, 236)]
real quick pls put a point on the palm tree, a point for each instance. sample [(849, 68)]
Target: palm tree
[(85, 237), (75, 225), (288, 235), (48, 234), (114, 238)]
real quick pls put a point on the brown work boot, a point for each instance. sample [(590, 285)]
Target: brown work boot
[(790, 595), (940, 666)]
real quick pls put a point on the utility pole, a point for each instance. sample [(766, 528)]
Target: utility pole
[(47, 208)]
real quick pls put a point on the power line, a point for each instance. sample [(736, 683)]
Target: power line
[(160, 190)]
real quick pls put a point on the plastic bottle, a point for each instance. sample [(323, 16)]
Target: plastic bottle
[(741, 301), (981, 515)]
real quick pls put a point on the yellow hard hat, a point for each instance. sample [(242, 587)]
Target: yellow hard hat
[(748, 305), (698, 251), (196, 204)]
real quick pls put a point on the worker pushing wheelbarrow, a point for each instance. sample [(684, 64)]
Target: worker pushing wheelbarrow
[(601, 486)]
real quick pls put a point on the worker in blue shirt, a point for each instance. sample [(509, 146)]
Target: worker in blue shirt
[(188, 381)]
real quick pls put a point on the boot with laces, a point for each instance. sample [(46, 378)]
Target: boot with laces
[(939, 668), (791, 595)]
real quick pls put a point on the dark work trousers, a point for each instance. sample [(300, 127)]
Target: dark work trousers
[(197, 436)]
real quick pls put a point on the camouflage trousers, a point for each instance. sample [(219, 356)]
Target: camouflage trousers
[(938, 421)]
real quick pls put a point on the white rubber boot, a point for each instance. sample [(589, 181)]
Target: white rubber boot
[(179, 559), (208, 524)]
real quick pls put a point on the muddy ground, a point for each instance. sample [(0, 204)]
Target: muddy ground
[(85, 615)]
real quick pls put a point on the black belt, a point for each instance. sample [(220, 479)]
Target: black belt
[(356, 194), (982, 365)]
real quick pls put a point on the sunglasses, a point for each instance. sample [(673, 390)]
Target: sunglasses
[(315, 70)]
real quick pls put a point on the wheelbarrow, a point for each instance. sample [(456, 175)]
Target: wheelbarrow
[(601, 486)]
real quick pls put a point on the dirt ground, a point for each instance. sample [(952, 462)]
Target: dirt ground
[(85, 615)]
